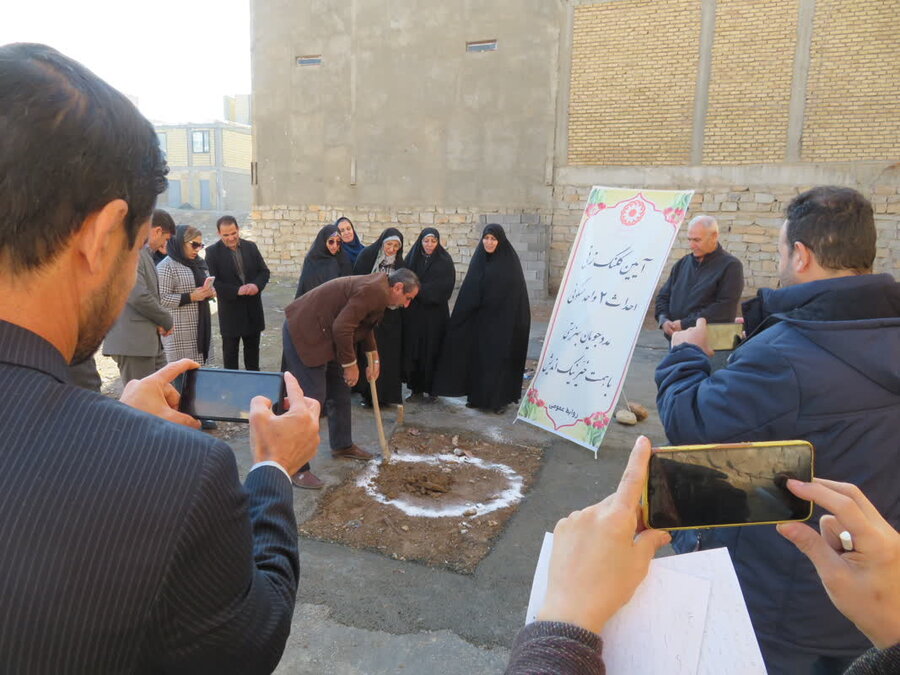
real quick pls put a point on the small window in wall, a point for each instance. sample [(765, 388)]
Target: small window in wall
[(482, 46), (311, 60), (161, 135), (200, 141)]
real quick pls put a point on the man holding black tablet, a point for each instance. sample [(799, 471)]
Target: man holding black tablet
[(129, 544)]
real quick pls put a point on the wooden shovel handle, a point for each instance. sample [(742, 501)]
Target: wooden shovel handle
[(385, 448)]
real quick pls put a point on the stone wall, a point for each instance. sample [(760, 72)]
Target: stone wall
[(749, 217), (285, 233)]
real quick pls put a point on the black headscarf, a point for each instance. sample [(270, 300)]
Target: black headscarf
[(366, 260), (198, 267), (353, 249), (487, 340), (320, 265), (420, 263), (425, 320)]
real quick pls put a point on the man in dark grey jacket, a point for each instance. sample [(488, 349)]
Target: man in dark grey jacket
[(822, 363), (706, 283), (134, 340)]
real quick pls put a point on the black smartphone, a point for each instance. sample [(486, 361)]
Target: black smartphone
[(218, 394), (696, 486)]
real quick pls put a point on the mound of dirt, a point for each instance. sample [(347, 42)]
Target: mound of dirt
[(442, 500)]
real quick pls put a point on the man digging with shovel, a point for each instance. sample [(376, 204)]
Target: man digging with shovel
[(320, 334)]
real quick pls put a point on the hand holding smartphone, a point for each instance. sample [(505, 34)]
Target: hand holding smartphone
[(225, 395), (698, 486)]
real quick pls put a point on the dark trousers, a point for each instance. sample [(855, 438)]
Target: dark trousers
[(784, 660), (325, 384), (231, 350)]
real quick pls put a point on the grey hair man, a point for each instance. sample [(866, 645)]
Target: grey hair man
[(706, 283)]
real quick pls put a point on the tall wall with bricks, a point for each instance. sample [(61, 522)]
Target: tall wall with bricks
[(746, 102)]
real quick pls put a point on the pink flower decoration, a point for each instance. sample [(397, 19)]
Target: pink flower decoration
[(633, 212)]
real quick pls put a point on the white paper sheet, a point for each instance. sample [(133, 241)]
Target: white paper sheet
[(729, 644), (688, 616)]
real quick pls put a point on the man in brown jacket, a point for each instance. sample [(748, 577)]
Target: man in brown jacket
[(320, 334)]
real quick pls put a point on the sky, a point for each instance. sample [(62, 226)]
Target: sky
[(178, 58)]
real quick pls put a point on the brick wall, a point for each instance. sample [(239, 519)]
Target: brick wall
[(853, 103), (624, 108), (750, 83), (749, 221), (285, 233)]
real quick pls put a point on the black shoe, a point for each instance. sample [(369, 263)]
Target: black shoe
[(431, 399), (366, 403), (500, 410), (471, 405), (415, 397)]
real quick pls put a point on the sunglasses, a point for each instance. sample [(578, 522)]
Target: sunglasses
[(335, 240), (196, 245)]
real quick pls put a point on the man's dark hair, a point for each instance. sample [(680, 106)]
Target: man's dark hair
[(226, 220), (406, 277), (164, 220), (836, 224), (70, 145)]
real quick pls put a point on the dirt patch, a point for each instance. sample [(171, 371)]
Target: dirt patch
[(442, 500)]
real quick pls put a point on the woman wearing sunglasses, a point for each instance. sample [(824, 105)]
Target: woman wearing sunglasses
[(183, 292)]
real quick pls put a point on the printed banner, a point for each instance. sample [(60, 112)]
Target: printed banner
[(620, 250)]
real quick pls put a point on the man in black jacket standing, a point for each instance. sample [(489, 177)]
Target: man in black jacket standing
[(241, 275), (706, 283)]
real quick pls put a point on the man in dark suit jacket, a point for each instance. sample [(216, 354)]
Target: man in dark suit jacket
[(321, 330), (129, 545), (241, 275)]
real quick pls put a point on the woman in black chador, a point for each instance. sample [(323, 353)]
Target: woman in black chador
[(484, 351), (385, 255), (324, 261), (425, 320)]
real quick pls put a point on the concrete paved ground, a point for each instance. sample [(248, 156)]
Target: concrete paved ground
[(360, 612)]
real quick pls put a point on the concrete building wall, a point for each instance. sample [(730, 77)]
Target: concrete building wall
[(238, 194), (399, 112)]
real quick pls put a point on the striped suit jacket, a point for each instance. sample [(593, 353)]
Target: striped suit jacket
[(128, 543)]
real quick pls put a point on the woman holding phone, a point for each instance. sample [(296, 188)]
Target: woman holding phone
[(185, 290)]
